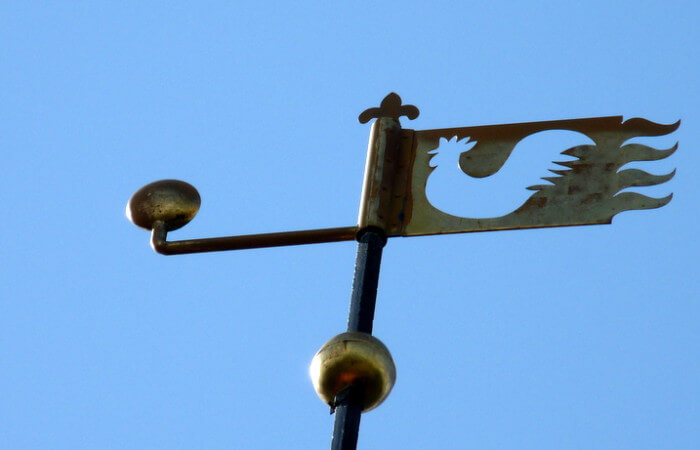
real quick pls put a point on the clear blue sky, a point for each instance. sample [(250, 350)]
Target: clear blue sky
[(583, 337)]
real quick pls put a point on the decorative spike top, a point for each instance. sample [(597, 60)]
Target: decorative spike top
[(390, 107)]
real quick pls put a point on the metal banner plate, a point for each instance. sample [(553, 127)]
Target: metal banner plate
[(586, 191)]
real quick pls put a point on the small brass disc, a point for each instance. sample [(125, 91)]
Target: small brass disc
[(353, 358), (173, 202)]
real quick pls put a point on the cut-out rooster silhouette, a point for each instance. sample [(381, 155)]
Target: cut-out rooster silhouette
[(496, 195), (590, 188), (586, 190)]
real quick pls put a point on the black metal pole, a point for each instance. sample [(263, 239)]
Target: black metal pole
[(348, 405)]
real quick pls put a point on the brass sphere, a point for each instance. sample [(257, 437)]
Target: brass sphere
[(353, 358), (173, 202)]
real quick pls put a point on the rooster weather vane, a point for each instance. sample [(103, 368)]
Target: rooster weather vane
[(353, 372), (585, 192)]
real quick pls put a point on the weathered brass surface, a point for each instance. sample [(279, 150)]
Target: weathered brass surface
[(172, 202), (167, 205), (586, 191), (355, 370), (381, 166), (383, 187), (390, 107), (357, 359), (164, 247)]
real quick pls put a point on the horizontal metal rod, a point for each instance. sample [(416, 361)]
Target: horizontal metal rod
[(162, 246)]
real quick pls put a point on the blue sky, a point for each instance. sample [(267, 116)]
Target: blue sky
[(582, 337)]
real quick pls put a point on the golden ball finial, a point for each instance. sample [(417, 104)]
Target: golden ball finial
[(173, 202), (353, 358)]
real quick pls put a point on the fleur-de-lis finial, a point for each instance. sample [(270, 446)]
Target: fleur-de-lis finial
[(390, 107)]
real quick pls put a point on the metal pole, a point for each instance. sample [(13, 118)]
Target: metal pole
[(348, 404), (376, 209)]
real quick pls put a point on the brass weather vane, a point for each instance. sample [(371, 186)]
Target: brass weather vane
[(353, 372)]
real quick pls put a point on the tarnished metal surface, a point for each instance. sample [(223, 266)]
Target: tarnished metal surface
[(390, 107), (381, 166), (172, 202), (354, 372), (383, 187), (586, 191), (164, 247), (353, 358), (167, 205)]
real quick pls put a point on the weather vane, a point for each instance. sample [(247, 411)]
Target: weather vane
[(353, 372)]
